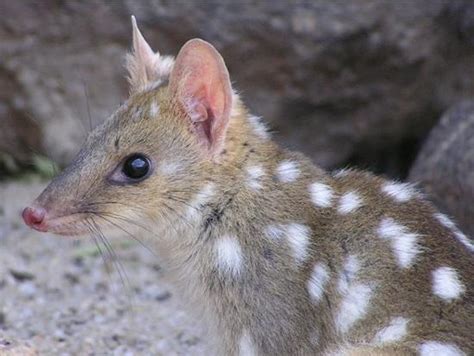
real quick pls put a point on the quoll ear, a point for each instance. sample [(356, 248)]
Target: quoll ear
[(200, 83), (144, 66)]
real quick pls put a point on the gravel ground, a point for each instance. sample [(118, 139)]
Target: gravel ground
[(58, 297)]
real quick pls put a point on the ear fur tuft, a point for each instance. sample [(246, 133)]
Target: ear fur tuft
[(145, 67)]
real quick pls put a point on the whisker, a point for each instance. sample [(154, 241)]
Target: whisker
[(91, 185), (96, 242), (118, 264), (129, 234), (86, 94)]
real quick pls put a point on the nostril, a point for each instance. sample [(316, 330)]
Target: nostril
[(33, 217)]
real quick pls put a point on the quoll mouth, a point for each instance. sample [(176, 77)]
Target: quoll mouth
[(38, 218)]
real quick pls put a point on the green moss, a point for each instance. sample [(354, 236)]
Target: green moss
[(40, 167), (45, 167)]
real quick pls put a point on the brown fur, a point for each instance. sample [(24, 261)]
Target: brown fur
[(269, 299)]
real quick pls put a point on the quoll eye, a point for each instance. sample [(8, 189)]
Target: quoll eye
[(136, 166)]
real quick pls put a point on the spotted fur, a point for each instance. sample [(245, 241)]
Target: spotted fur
[(272, 253)]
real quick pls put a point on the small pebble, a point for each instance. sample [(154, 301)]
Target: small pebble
[(21, 276), (28, 289)]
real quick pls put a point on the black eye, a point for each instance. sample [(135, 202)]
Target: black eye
[(136, 166)]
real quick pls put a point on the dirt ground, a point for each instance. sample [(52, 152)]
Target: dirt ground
[(58, 297)]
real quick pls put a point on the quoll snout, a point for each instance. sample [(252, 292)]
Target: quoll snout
[(35, 217)]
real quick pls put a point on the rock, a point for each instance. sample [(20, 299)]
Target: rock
[(59, 335), (445, 165), (156, 292), (51, 72), (9, 347), (461, 16), (347, 82), (28, 289), (21, 275)]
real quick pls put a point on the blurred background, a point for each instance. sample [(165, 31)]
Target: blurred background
[(382, 85)]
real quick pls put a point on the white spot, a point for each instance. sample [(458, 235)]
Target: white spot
[(287, 171), (202, 197), (400, 192), (353, 306), (321, 194), (137, 114), (298, 238), (168, 168), (404, 243), (246, 346), (349, 202), (229, 255), (236, 109), (275, 232), (464, 240), (259, 127), (154, 109), (317, 281), (446, 283), (445, 221), (356, 296), (341, 173), (348, 274), (448, 223), (436, 348), (297, 235), (395, 331), (254, 177)]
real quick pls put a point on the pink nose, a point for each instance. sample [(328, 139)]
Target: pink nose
[(34, 218)]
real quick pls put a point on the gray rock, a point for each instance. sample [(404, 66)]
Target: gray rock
[(445, 165), (22, 275), (345, 81), (10, 347), (28, 289), (52, 54)]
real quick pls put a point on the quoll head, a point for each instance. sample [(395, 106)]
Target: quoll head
[(153, 153)]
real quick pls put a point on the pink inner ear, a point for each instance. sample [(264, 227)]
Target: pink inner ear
[(201, 83), (202, 115)]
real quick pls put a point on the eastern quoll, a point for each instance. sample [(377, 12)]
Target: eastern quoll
[(277, 256)]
